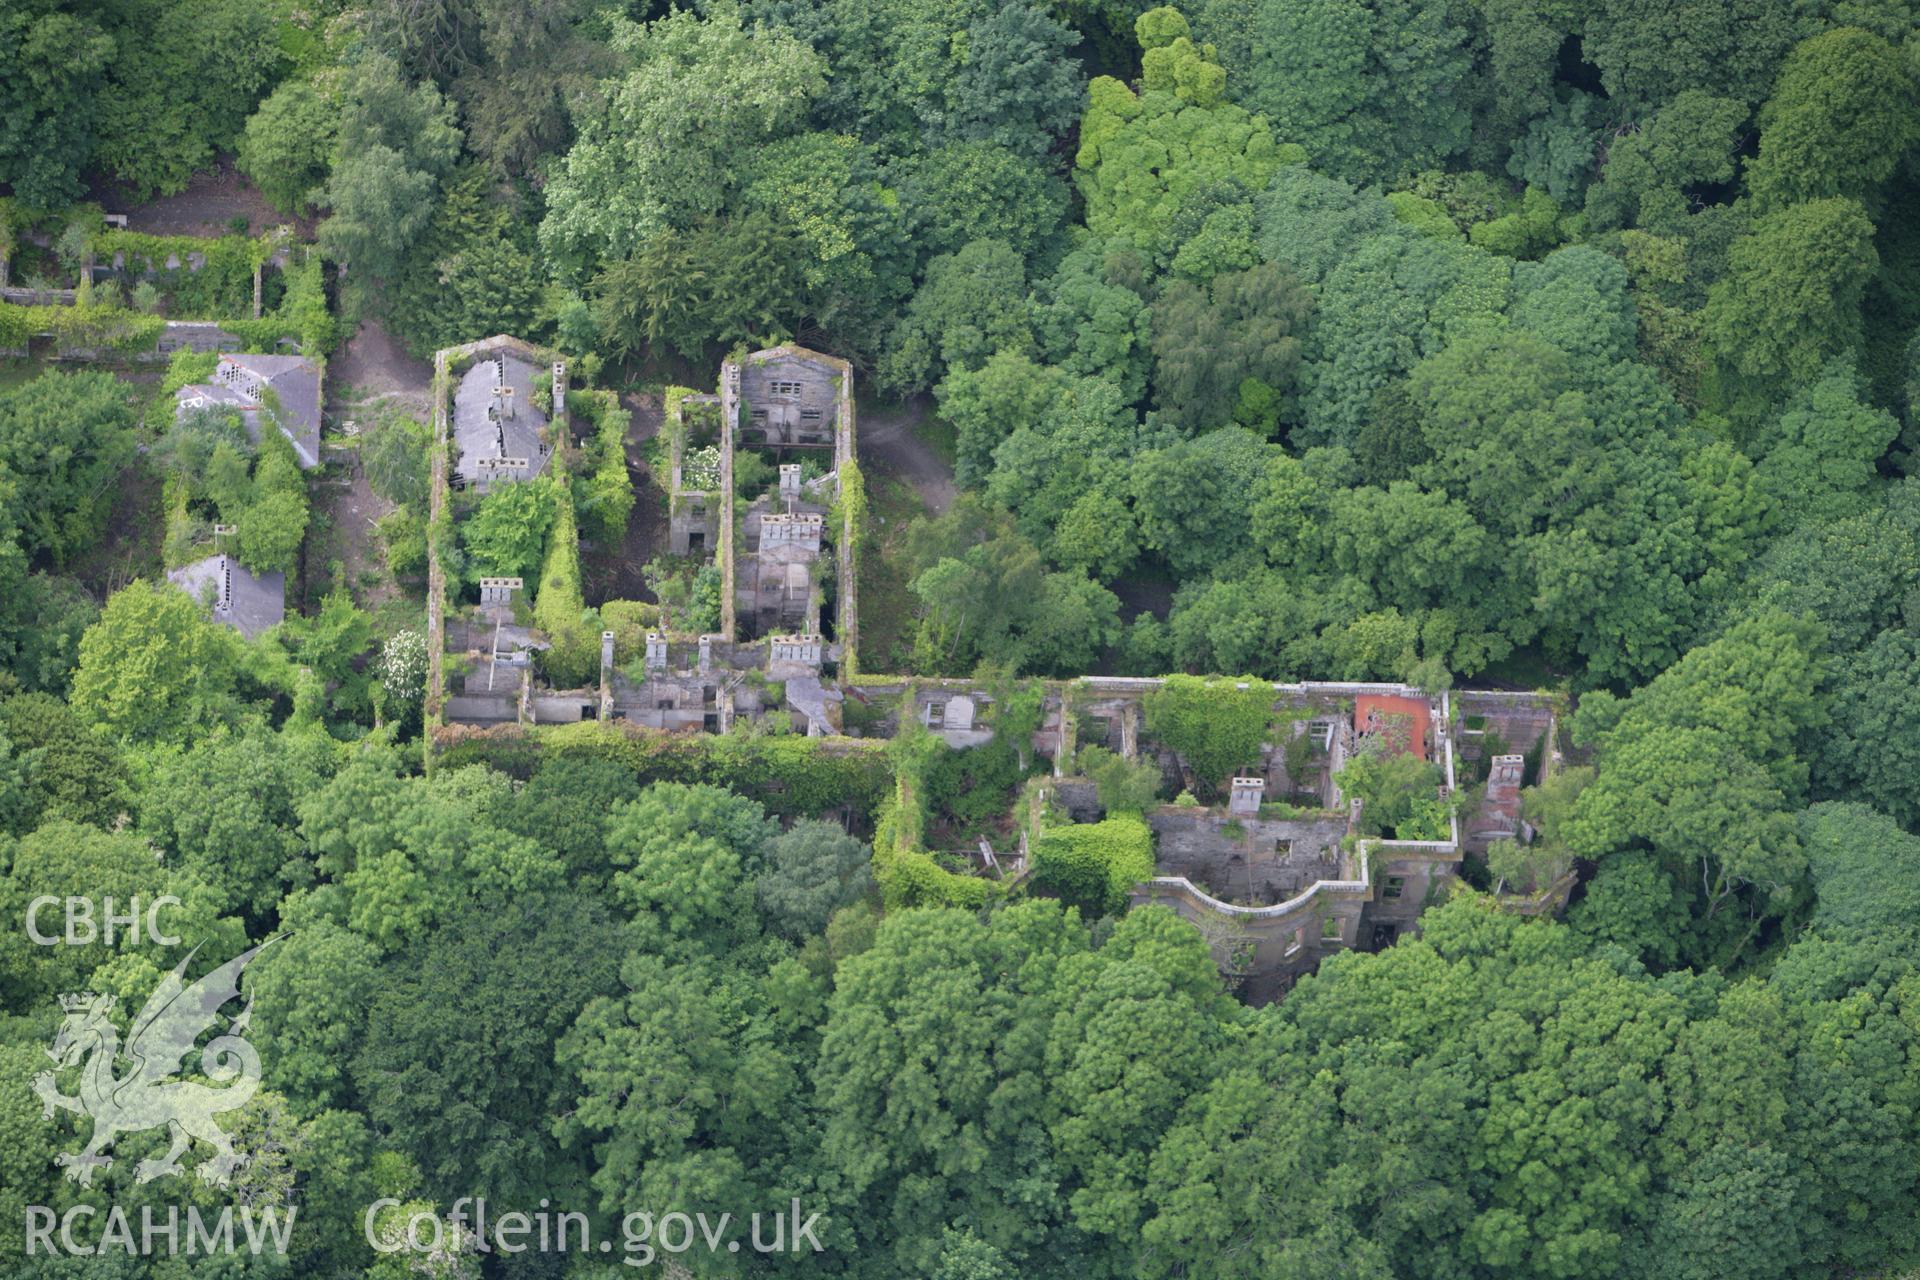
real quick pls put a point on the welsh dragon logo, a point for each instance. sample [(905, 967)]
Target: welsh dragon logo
[(148, 1095)]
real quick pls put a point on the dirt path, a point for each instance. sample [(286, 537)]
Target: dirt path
[(352, 508), (614, 573), (206, 208), (889, 444), (646, 415), (370, 374), (372, 366)]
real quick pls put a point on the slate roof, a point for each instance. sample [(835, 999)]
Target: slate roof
[(813, 699), (240, 381), (481, 430), (248, 602)]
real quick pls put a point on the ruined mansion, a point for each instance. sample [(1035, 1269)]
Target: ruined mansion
[(1278, 873)]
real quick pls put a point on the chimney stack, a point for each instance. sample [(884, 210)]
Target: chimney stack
[(1244, 800)]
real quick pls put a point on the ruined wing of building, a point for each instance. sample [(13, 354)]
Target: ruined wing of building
[(233, 594), (775, 550), (283, 390), (1277, 876)]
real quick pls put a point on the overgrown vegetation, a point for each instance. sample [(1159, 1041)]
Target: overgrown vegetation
[(603, 492), (1094, 865), (1216, 725), (1366, 341)]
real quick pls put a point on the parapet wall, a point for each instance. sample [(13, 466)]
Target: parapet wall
[(1247, 861)]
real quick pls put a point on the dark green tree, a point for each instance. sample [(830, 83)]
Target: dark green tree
[(813, 869), (473, 1110), (1373, 91), (396, 141), (1840, 119), (287, 148), (1193, 499), (971, 305), (1790, 300), (50, 105), (1229, 353), (64, 437), (472, 270)]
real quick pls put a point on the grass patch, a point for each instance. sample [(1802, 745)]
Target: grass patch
[(886, 606), (1526, 668), (940, 436)]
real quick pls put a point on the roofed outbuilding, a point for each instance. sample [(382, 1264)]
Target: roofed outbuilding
[(285, 388), (248, 602), (497, 426)]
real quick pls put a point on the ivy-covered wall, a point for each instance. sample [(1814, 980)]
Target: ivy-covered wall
[(792, 776), (907, 875), (1095, 865), (109, 326), (560, 609), (204, 278)]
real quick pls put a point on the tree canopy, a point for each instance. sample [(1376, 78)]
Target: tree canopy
[(1559, 360)]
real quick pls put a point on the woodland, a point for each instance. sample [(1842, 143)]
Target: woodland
[(1570, 346)]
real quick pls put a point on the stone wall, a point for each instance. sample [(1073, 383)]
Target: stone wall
[(1266, 950), (1406, 876), (1507, 722), (792, 399), (687, 701), (178, 335), (1250, 862)]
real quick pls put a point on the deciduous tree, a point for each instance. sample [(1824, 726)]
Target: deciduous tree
[(1840, 119), (287, 148), (153, 669), (64, 437)]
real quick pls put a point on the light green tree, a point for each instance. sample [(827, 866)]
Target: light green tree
[(678, 130), (287, 148), (154, 669)]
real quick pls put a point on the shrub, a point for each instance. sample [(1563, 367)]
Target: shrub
[(813, 775), (1217, 726), (274, 522), (394, 452), (605, 493), (507, 533), (561, 611), (1124, 786), (1094, 865), (630, 621), (403, 539), (402, 668), (1396, 793)]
